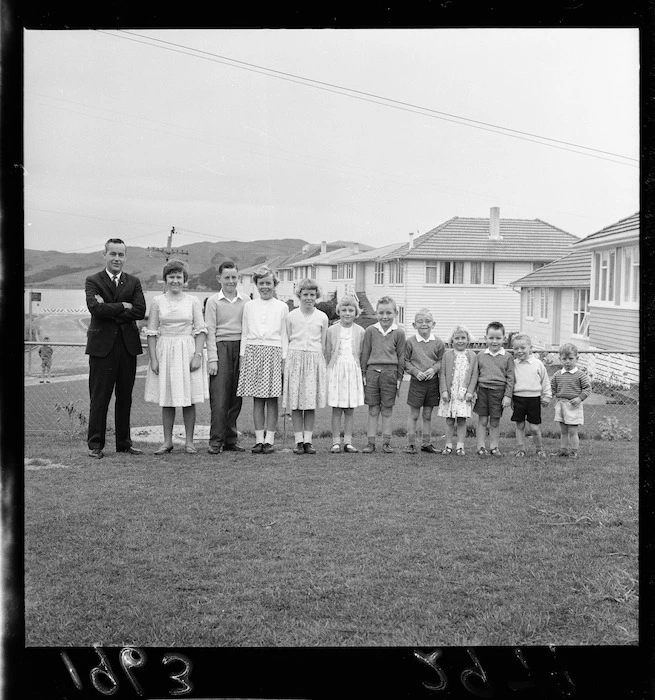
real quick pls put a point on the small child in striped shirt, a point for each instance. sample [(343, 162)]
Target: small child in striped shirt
[(571, 386)]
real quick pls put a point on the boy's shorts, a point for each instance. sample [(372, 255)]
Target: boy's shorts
[(425, 393), (380, 387), (527, 407), (46, 364), (567, 414), (490, 402)]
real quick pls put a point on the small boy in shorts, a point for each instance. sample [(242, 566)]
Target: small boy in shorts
[(570, 386), (531, 392), (45, 353), (423, 353), (495, 388), (383, 366)]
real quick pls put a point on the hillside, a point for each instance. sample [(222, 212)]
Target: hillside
[(69, 270)]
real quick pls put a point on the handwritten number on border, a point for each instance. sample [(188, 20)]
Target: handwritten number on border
[(183, 676)]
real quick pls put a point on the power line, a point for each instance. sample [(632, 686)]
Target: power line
[(395, 104)]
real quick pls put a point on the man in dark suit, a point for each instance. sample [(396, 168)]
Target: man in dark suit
[(115, 300)]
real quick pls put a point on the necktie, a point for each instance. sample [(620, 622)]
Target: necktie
[(115, 280)]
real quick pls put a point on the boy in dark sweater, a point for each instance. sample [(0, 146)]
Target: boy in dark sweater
[(423, 353), (383, 366), (495, 386)]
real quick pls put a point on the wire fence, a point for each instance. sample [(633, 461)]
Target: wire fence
[(612, 411)]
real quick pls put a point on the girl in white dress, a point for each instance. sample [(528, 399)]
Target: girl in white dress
[(345, 386), (305, 384), (457, 381), (264, 343), (176, 335)]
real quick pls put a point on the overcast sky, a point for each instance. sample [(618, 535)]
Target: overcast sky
[(127, 136)]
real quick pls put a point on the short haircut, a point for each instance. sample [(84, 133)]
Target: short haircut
[(227, 264), (262, 272), (387, 300), (348, 300), (117, 241), (497, 326), (460, 328), (568, 349), (174, 265), (524, 337), (424, 311), (309, 284)]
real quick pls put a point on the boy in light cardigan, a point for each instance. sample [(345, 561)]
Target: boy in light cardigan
[(531, 392), (495, 388)]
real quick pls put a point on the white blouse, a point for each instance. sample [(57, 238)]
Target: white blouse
[(264, 323)]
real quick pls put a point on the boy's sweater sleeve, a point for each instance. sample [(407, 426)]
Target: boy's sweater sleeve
[(410, 367), (546, 391), (585, 383), (366, 350), (401, 343), (553, 385), (509, 376), (440, 349)]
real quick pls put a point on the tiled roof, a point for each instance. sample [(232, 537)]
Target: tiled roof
[(374, 254), (324, 258), (573, 270), (468, 239), (623, 227)]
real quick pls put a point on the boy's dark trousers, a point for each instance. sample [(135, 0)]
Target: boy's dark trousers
[(225, 404)]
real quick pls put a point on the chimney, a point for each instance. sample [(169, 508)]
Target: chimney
[(494, 224), (323, 247), (411, 240), (355, 248)]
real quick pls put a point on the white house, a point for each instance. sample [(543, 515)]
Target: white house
[(462, 270), (329, 271), (555, 302)]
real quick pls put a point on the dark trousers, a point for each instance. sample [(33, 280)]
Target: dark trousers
[(223, 399), (117, 370)]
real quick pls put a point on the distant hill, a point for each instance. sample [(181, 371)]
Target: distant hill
[(69, 270)]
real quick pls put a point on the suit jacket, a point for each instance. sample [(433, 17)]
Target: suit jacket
[(111, 318)]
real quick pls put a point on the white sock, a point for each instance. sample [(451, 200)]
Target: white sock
[(460, 445), (298, 437), (347, 439), (307, 435), (259, 436), (270, 437)]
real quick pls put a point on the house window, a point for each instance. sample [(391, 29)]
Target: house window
[(335, 272), (344, 271), (379, 273), (630, 274), (482, 273), (396, 271), (453, 273), (529, 306), (401, 315), (543, 304), (580, 311), (431, 271), (604, 262)]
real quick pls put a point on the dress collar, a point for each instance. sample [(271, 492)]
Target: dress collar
[(111, 275)]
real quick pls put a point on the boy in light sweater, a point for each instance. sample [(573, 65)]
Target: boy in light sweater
[(531, 392), (223, 316), (383, 366), (495, 388)]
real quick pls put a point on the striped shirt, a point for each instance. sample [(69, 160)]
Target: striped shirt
[(569, 385)]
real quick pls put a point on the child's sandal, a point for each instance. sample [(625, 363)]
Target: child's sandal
[(460, 452), (336, 448), (495, 451), (519, 453), (482, 451), (447, 450)]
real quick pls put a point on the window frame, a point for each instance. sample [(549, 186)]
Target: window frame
[(544, 294), (529, 304), (378, 273), (579, 313)]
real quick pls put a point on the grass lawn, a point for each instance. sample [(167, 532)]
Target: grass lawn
[(330, 550)]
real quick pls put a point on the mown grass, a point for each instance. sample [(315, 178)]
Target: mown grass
[(331, 550)]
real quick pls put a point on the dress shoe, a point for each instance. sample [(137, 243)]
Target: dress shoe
[(429, 448), (299, 449), (131, 451), (215, 449), (309, 449), (268, 448), (96, 454), (258, 448), (233, 447)]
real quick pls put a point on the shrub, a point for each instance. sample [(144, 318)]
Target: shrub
[(611, 429)]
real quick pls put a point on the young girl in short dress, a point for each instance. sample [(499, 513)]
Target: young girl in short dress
[(457, 380), (345, 387), (305, 383), (263, 350)]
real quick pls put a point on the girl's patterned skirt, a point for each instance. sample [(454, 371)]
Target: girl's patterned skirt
[(305, 381), (260, 375)]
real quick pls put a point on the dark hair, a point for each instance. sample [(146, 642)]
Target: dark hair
[(264, 271), (496, 325), (174, 265), (117, 241), (227, 264), (568, 350)]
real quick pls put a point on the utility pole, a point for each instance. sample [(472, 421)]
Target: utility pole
[(168, 251)]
